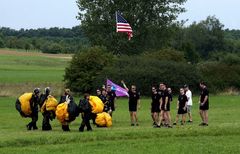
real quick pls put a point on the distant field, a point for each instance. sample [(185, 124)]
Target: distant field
[(22, 69), (222, 135)]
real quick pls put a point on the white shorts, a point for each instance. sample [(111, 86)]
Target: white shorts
[(189, 108)]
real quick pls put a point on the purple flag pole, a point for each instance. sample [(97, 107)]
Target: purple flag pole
[(120, 92)]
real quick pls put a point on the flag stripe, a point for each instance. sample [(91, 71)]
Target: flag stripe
[(123, 26)]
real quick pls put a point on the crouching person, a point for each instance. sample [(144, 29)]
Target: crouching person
[(27, 106), (85, 110), (48, 105)]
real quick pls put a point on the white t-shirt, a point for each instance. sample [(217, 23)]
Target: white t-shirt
[(189, 97)]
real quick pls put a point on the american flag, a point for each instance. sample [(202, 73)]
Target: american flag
[(123, 26)]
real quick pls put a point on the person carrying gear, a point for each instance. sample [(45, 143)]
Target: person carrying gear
[(85, 110), (48, 106), (67, 105), (27, 106)]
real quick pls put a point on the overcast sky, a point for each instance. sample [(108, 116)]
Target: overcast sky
[(62, 13)]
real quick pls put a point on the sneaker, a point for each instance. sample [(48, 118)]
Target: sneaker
[(154, 124), (204, 124), (201, 124), (190, 121), (137, 124), (174, 123), (132, 124), (29, 127), (157, 126), (169, 126)]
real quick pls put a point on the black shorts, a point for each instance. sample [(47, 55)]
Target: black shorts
[(112, 106), (155, 108), (204, 107), (182, 111), (163, 107), (133, 108)]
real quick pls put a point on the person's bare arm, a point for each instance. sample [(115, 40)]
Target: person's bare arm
[(166, 102), (205, 100), (177, 104), (138, 104), (124, 85)]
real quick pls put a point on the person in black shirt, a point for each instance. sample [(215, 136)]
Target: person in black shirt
[(66, 96), (85, 109), (112, 99), (182, 107), (47, 115), (34, 101), (133, 103), (164, 106), (204, 104), (155, 106)]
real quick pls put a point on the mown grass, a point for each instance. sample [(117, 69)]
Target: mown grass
[(22, 69), (20, 73), (221, 136)]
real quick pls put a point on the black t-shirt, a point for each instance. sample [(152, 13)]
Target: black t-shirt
[(164, 94), (111, 96), (63, 98), (133, 97), (155, 98), (203, 94), (182, 100), (103, 98)]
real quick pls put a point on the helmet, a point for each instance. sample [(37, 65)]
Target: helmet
[(47, 90), (36, 91)]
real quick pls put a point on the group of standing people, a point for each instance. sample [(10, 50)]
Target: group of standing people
[(161, 102)]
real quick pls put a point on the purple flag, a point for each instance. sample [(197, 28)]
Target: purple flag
[(120, 92)]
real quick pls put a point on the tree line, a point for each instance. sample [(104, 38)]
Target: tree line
[(53, 40)]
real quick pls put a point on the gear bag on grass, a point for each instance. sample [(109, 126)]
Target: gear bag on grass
[(103, 119)]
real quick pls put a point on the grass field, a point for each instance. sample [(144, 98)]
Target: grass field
[(20, 71), (221, 136)]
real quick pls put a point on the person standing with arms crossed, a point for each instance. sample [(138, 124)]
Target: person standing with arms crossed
[(134, 103), (204, 104)]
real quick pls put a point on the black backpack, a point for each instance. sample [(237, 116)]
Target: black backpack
[(84, 106)]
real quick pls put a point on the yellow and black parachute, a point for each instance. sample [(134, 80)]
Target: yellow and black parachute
[(103, 119), (25, 103), (50, 104), (97, 104)]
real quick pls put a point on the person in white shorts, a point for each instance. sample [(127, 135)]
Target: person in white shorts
[(188, 93)]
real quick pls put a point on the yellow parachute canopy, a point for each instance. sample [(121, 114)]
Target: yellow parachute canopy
[(25, 103), (96, 103), (62, 113), (50, 104), (103, 119)]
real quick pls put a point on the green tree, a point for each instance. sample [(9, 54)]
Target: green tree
[(84, 67), (150, 20), (206, 36)]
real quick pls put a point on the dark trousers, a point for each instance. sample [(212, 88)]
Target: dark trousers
[(33, 124), (86, 116), (47, 116)]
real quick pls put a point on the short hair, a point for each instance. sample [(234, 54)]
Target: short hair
[(67, 91), (185, 86), (203, 83), (86, 95)]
